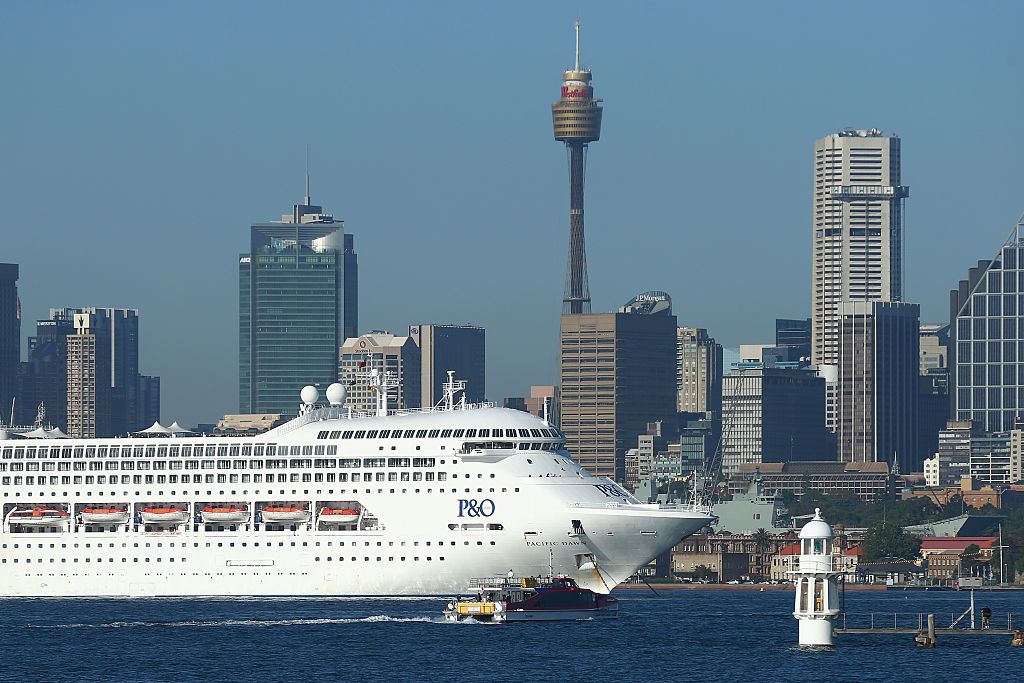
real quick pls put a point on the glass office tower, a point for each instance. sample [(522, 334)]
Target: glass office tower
[(986, 350), (297, 304)]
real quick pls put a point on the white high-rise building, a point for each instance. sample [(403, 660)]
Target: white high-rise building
[(858, 229)]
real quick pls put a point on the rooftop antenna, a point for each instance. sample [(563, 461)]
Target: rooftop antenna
[(577, 43), (307, 175)]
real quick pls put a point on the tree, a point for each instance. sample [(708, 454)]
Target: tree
[(888, 540), (762, 542), (703, 572)]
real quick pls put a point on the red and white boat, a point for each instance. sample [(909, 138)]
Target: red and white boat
[(278, 514), (38, 516), (224, 514), (167, 515), (338, 516), (104, 515)]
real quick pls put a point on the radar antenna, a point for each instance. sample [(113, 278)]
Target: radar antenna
[(452, 387), (382, 383)]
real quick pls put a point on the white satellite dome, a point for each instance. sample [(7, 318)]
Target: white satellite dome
[(336, 394), (309, 395)]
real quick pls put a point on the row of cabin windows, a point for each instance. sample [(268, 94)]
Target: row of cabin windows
[(438, 433), (329, 477), (270, 464), (211, 451), (280, 544)]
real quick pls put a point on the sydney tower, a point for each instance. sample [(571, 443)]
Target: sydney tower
[(577, 121)]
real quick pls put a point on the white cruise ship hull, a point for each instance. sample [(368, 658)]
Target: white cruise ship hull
[(481, 514)]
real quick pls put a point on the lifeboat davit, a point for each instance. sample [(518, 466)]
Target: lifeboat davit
[(104, 516), (164, 515), (224, 514), (38, 516), (333, 516), (285, 514)]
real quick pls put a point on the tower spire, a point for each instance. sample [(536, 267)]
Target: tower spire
[(577, 43), (307, 175)]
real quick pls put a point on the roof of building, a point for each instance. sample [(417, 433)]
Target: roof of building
[(858, 551), (956, 542), (791, 549), (815, 467)]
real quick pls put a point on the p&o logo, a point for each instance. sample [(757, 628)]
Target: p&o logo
[(610, 490), (471, 507)]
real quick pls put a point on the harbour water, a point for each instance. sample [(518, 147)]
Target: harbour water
[(691, 635)]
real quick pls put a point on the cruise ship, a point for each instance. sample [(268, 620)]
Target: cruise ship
[(334, 502)]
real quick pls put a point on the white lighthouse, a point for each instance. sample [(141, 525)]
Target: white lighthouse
[(817, 597)]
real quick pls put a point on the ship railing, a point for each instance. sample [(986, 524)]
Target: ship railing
[(342, 413)]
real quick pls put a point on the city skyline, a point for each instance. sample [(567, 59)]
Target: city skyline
[(190, 182)]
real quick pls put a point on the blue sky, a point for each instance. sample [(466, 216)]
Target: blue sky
[(139, 141)]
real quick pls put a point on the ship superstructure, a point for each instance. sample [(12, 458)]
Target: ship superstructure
[(331, 503)]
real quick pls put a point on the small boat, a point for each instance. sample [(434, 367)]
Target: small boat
[(549, 598), (224, 514), (164, 515), (104, 516), (38, 516), (284, 514), (335, 516)]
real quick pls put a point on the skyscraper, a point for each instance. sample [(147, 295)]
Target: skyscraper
[(858, 229), (879, 356), (383, 352), (10, 337), (460, 348), (45, 373), (297, 305), (103, 380), (617, 374), (698, 372), (772, 414), (986, 349), (576, 117), (794, 334)]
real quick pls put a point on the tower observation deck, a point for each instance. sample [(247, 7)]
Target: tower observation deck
[(576, 117)]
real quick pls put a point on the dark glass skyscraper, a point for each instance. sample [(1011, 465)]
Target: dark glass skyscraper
[(297, 304), (10, 336)]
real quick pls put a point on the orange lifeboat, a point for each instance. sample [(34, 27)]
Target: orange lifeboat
[(38, 516), (229, 514), (104, 515), (280, 513), (336, 516), (166, 515)]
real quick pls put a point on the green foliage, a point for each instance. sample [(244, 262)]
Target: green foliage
[(851, 511), (702, 571), (762, 540), (971, 551), (888, 540)]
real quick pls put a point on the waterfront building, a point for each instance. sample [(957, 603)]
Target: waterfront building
[(576, 118), (867, 480), (249, 425), (617, 374), (772, 414), (443, 348), (698, 372), (878, 383), (795, 334), (297, 305), (385, 353), (10, 337), (857, 231), (986, 348)]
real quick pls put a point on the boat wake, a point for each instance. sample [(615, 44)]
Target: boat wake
[(377, 618)]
